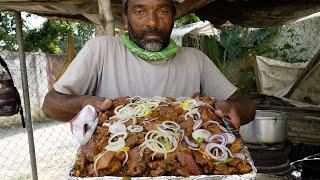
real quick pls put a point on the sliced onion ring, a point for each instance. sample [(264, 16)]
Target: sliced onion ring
[(240, 155), (124, 134), (230, 138), (115, 146), (117, 127), (191, 144), (201, 133), (220, 137), (215, 154), (170, 125), (197, 124), (192, 148), (135, 128), (96, 160), (126, 159)]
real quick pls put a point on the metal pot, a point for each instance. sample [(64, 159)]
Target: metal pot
[(268, 127)]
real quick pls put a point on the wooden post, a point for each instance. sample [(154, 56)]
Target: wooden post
[(312, 64), (26, 98), (106, 17)]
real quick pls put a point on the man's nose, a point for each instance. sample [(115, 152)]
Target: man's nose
[(152, 20)]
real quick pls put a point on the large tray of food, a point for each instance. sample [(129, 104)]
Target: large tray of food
[(161, 137)]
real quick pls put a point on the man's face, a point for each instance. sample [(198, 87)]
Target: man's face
[(150, 23)]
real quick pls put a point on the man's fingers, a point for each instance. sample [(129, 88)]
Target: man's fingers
[(219, 113), (235, 122), (106, 104), (225, 109)]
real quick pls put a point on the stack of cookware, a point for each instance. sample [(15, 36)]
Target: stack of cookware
[(265, 138)]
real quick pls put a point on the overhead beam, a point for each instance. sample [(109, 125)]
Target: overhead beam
[(190, 6)]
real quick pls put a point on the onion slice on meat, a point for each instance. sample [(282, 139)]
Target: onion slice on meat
[(218, 152), (201, 133), (96, 160), (230, 138), (171, 125), (115, 146), (126, 159), (240, 155), (220, 137), (135, 128), (191, 144), (124, 134), (117, 127), (197, 124)]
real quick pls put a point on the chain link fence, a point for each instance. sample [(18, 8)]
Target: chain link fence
[(55, 146)]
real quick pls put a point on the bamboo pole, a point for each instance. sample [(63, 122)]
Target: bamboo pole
[(106, 17), (26, 98)]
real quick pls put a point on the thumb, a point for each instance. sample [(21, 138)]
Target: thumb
[(219, 113), (106, 104)]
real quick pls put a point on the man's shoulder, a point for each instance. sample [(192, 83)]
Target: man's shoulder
[(191, 51)]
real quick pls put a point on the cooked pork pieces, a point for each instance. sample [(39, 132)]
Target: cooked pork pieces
[(161, 137)]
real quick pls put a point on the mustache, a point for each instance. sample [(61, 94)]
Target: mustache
[(142, 33)]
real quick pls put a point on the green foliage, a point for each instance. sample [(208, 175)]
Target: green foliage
[(7, 31), (51, 37), (187, 19), (238, 42)]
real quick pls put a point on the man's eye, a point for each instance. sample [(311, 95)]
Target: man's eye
[(138, 12), (163, 11)]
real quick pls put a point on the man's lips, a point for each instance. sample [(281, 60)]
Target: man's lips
[(152, 36)]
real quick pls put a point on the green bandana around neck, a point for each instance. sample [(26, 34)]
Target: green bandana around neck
[(165, 54)]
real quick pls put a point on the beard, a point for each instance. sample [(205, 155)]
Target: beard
[(150, 45)]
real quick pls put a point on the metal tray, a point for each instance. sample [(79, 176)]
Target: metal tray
[(251, 175)]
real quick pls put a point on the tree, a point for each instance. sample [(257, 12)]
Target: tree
[(7, 31), (51, 37)]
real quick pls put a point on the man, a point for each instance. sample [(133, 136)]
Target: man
[(144, 62)]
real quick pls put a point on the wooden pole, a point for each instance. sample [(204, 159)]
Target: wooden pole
[(26, 98), (106, 17), (311, 65)]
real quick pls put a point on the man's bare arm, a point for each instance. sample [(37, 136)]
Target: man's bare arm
[(64, 107)]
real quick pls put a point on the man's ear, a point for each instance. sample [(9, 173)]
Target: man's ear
[(125, 19)]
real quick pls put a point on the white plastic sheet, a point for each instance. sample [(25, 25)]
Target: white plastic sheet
[(277, 77)]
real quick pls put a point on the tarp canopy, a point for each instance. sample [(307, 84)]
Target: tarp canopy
[(252, 13)]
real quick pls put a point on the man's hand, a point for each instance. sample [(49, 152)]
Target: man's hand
[(225, 108), (238, 107), (101, 104)]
